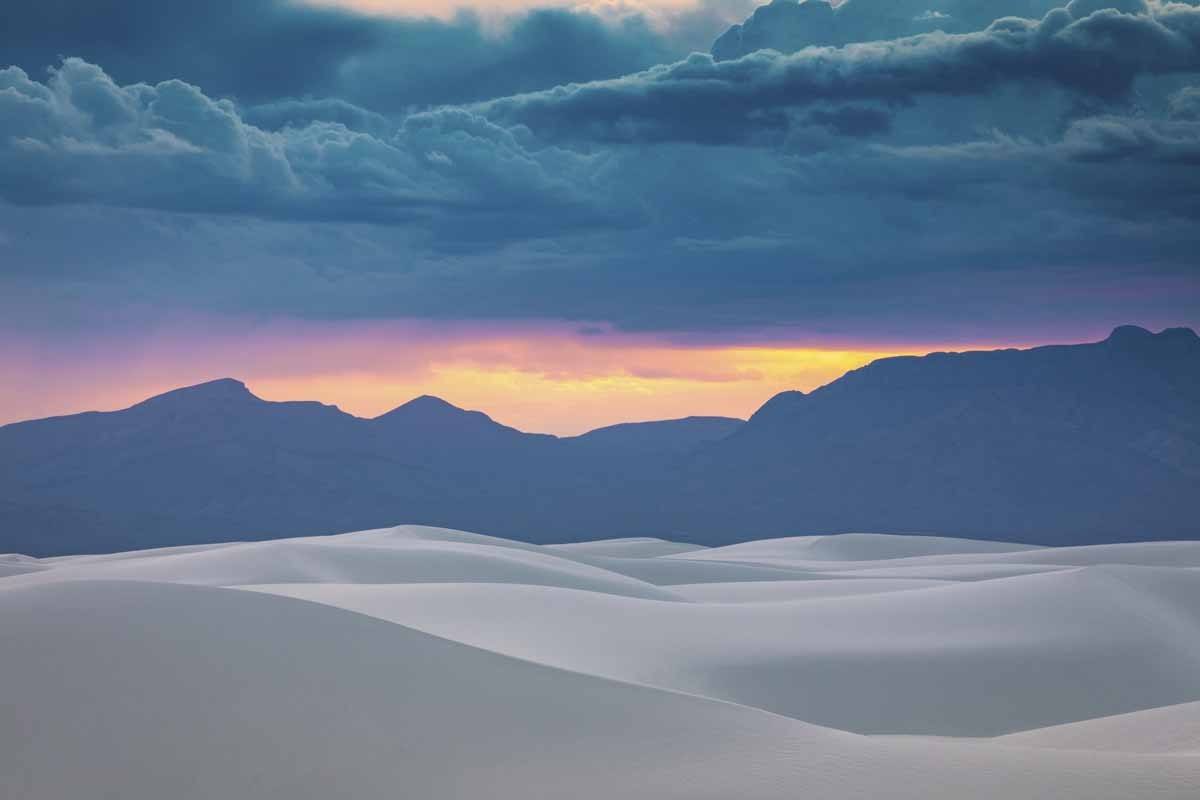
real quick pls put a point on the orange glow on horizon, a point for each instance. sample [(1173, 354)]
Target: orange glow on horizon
[(550, 378), (730, 382)]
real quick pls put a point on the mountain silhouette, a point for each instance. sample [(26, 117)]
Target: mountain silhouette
[(665, 436), (1065, 444), (1057, 445)]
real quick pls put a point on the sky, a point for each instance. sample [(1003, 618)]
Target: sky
[(574, 214)]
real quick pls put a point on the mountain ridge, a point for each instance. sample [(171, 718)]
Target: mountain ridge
[(229, 388), (1060, 444)]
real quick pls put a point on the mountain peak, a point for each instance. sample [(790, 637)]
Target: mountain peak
[(425, 405), (1136, 336), (430, 410), (223, 385), (430, 401), (1129, 333), (1180, 334), (221, 390), (781, 405), (428, 415)]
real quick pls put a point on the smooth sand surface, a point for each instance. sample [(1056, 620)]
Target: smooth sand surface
[(428, 663)]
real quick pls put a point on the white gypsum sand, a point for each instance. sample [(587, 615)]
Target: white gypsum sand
[(426, 663)]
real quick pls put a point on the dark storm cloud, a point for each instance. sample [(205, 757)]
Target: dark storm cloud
[(1033, 166), (852, 120), (1185, 104), (550, 162), (1100, 54), (292, 113), (258, 51), (1122, 138), (788, 26), (80, 137), (250, 49)]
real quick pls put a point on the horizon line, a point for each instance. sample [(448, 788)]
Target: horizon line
[(468, 407)]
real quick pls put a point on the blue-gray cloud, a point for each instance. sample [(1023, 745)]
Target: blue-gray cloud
[(1039, 168), (80, 137), (788, 25), (260, 51), (299, 113), (704, 99)]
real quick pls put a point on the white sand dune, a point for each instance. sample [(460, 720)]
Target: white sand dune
[(942, 572), (854, 547), (366, 560), (971, 659), (12, 568), (1171, 729), (427, 663), (774, 591), (401, 535), (668, 571), (860, 551), (635, 547)]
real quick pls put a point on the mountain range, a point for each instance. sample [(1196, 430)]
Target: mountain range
[(1063, 444)]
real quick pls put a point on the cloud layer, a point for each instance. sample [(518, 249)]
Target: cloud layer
[(81, 137), (889, 167), (263, 50), (1099, 55)]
